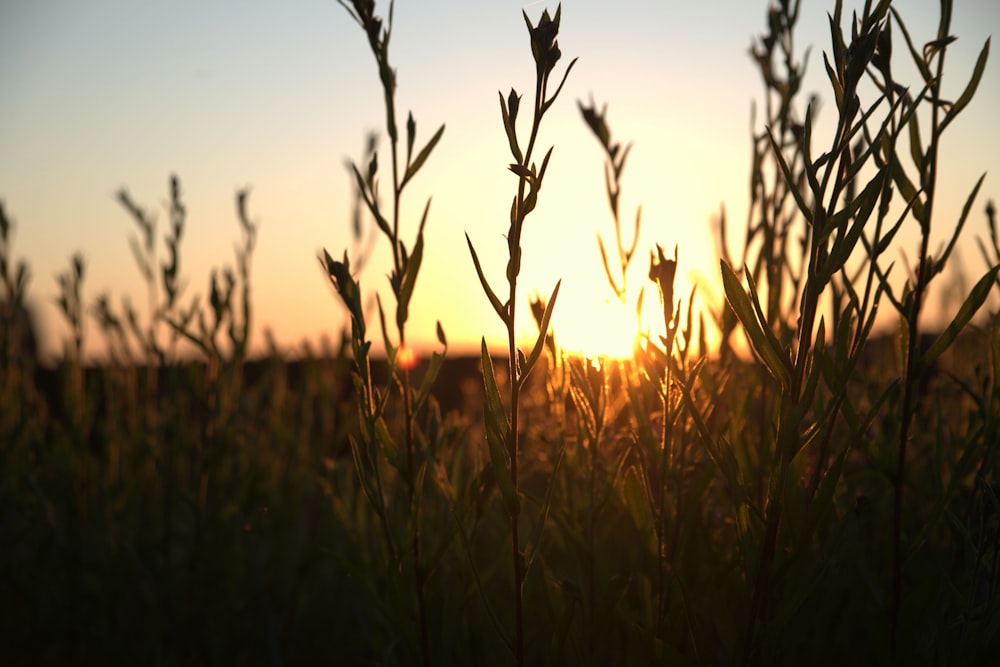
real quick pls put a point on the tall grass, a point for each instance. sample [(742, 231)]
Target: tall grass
[(503, 429), (376, 439), (829, 497)]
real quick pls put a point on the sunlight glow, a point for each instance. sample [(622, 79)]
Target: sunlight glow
[(604, 329), (407, 358)]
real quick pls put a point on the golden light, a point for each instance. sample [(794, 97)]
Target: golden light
[(604, 328), (406, 358)]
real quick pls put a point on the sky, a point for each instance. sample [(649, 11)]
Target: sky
[(112, 94)]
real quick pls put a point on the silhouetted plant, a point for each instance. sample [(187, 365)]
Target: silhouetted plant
[(405, 268), (614, 165), (502, 429)]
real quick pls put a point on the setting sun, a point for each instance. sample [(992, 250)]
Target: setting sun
[(589, 323), (605, 328)]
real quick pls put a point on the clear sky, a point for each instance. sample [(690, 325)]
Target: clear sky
[(106, 94)]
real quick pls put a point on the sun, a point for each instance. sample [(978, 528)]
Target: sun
[(593, 326), (600, 328)]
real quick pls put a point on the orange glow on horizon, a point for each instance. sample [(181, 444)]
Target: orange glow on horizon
[(407, 358)]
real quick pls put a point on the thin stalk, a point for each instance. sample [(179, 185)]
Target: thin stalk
[(592, 537), (788, 424), (402, 278), (419, 574), (407, 396), (662, 271), (594, 431), (666, 464), (514, 243), (911, 378), (677, 464), (514, 537), (545, 52)]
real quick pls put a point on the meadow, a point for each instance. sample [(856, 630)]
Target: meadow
[(815, 489)]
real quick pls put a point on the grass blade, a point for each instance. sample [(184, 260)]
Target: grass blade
[(498, 307), (543, 328), (740, 303), (498, 435), (418, 162), (969, 308), (409, 281), (970, 89)]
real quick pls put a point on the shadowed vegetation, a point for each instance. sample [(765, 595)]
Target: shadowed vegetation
[(828, 496)]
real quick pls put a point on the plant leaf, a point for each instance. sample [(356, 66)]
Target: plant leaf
[(793, 187), (918, 60), (960, 224), (370, 492), (744, 310), (916, 145), (411, 135), (607, 267), (494, 301), (509, 127), (838, 89), (861, 208), (413, 167), (972, 304), (970, 89), (543, 328), (409, 281), (440, 334), (498, 435), (433, 368), (906, 188), (771, 338), (389, 447), (183, 331), (371, 203)]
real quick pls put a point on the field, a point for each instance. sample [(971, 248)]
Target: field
[(812, 490)]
